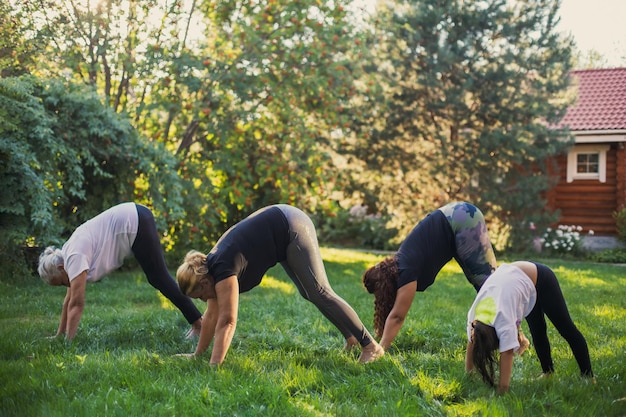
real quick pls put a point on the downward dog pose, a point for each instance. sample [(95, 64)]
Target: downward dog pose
[(514, 291), (456, 230), (99, 246), (238, 262)]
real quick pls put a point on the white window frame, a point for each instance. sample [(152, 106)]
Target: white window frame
[(572, 158)]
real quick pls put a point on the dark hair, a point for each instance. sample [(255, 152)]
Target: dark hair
[(485, 345), (382, 281)]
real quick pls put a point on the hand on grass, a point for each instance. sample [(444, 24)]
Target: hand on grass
[(524, 344), (194, 331)]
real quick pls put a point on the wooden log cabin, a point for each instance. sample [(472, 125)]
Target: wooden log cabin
[(592, 184)]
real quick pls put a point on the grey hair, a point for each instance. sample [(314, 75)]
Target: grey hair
[(49, 262)]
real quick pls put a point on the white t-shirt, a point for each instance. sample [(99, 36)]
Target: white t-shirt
[(101, 244), (506, 297)]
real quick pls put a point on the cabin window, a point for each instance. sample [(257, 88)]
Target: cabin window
[(587, 162)]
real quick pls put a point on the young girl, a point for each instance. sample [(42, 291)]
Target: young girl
[(514, 291)]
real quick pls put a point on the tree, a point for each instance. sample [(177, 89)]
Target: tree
[(248, 104), (274, 80), (66, 157), (16, 55), (123, 51), (473, 89)]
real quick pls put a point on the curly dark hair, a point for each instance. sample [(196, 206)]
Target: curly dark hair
[(382, 281), (485, 345)]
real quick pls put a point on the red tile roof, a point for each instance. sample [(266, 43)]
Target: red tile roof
[(601, 103)]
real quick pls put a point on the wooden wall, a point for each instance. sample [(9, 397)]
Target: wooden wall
[(588, 203)]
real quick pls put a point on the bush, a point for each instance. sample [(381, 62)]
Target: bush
[(562, 240), (615, 256), (620, 223), (65, 157), (356, 228)]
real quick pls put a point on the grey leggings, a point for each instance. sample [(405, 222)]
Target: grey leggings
[(305, 267)]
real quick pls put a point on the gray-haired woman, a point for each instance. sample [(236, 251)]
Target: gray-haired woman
[(98, 247)]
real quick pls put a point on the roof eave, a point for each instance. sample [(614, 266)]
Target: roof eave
[(597, 136)]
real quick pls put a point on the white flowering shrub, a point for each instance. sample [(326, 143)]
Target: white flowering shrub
[(564, 239)]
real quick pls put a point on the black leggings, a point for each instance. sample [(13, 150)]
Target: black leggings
[(550, 302), (149, 253)]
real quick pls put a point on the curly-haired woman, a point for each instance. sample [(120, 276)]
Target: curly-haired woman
[(238, 262), (514, 291), (98, 247), (456, 230)]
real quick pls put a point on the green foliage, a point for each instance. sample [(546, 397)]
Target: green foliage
[(286, 359), (66, 157), (263, 95), (356, 228), (468, 87), (28, 146), (281, 101), (16, 55), (617, 255), (620, 223), (247, 103)]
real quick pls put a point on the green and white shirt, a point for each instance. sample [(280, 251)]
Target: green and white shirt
[(506, 297)]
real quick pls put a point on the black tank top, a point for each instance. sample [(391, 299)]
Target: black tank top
[(428, 247), (250, 248)]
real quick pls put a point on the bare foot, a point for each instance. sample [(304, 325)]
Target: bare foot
[(351, 343), (371, 352)]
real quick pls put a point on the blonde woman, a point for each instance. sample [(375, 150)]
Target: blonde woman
[(238, 262), (98, 247)]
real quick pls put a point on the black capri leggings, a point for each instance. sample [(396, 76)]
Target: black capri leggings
[(305, 267), (550, 301), (149, 253)]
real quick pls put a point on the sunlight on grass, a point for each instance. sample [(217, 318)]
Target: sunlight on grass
[(436, 388), (299, 378), (609, 312), (307, 409), (341, 255), (165, 303), (583, 278), (480, 407), (286, 358), (273, 283), (451, 267), (589, 282)]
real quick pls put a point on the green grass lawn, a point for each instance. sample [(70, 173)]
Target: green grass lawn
[(286, 359)]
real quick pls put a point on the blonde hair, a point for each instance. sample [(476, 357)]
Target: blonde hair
[(49, 262), (191, 271)]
